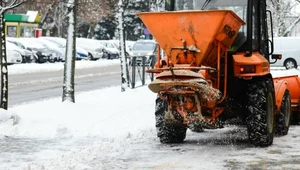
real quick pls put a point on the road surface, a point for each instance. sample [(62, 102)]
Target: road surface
[(38, 86)]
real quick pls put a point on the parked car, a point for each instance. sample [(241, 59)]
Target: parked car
[(27, 56), (111, 50), (290, 50), (144, 48), (13, 57), (57, 52), (53, 46), (42, 54), (82, 52), (128, 45), (95, 49)]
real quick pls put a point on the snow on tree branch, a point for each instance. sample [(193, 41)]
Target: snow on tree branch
[(13, 4), (291, 27)]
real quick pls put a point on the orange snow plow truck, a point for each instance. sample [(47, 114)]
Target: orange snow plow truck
[(217, 69)]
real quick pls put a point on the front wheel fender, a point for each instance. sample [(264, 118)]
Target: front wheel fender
[(280, 86)]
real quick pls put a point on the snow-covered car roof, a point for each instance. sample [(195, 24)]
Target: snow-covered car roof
[(26, 43), (144, 45), (57, 40)]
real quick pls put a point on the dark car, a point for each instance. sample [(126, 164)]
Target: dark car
[(41, 53), (27, 56)]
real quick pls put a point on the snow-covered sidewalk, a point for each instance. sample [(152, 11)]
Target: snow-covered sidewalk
[(110, 129)]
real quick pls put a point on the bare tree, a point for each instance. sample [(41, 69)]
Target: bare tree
[(69, 69), (157, 5), (4, 6), (92, 11), (282, 12)]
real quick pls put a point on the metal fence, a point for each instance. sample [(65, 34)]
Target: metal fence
[(137, 70)]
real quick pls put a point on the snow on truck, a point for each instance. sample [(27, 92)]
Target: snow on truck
[(217, 68)]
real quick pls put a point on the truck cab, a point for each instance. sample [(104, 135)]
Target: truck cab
[(256, 35)]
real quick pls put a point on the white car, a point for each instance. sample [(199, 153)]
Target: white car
[(95, 49), (128, 45), (290, 50), (13, 57), (41, 53), (92, 52), (51, 45), (27, 56), (80, 52), (144, 48), (111, 49)]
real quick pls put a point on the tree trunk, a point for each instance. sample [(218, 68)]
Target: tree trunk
[(69, 69), (4, 70), (91, 30), (124, 66), (3, 58)]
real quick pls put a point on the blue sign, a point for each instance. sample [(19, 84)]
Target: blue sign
[(146, 31)]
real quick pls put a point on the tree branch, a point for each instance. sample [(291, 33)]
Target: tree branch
[(290, 28), (12, 5)]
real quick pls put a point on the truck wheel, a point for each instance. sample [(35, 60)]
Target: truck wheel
[(261, 110), (290, 64), (166, 131), (283, 119)]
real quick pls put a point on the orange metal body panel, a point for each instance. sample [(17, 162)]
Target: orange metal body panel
[(198, 30), (262, 65), (293, 84), (280, 86)]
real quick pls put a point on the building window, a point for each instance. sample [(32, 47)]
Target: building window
[(12, 31), (26, 31)]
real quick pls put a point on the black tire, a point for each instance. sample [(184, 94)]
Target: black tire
[(290, 64), (261, 112), (24, 60), (34, 60), (109, 57), (283, 119), (166, 131), (90, 57)]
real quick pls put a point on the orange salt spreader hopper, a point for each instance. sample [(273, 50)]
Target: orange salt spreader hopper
[(192, 34), (191, 40)]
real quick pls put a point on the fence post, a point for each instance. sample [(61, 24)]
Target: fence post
[(133, 72), (143, 70), (152, 64)]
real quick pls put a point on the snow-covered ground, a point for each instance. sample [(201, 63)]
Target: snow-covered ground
[(110, 129), (33, 67)]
